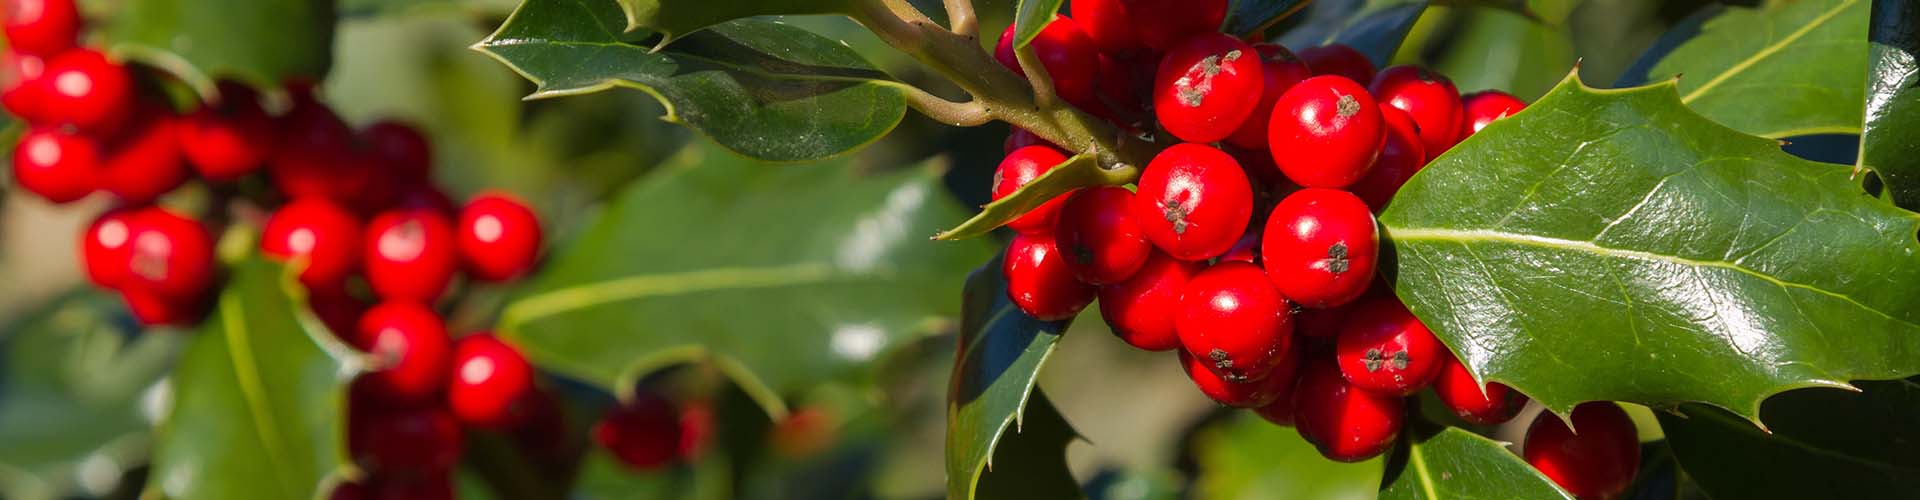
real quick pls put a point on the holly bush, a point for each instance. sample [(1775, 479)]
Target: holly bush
[(442, 248)]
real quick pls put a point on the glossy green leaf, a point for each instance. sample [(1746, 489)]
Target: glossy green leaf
[(994, 372), (1078, 172), (1617, 232), (677, 18), (1437, 463), (1247, 17), (1243, 457), (1787, 69), (1375, 28), (760, 88), (1030, 459), (1818, 444), (786, 277), (262, 42), (258, 398), (1531, 56), (1030, 17), (1890, 143)]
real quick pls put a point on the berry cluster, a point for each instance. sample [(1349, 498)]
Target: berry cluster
[(1249, 247)]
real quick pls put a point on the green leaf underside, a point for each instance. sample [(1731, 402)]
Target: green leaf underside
[(1375, 28), (760, 88), (1244, 456), (785, 276), (257, 406), (1078, 172), (1452, 463), (1030, 459), (1791, 68), (1616, 232), (1248, 16), (1890, 143), (1001, 351), (262, 42), (1859, 445), (1032, 16), (676, 18)]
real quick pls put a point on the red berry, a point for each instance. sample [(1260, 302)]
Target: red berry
[(1276, 386), (492, 383), (394, 441), (41, 26), (1099, 240), (1067, 54), (228, 139), (1107, 23), (1481, 108), (1280, 411), (145, 162), (643, 432), (1141, 310), (152, 309), (410, 255), (56, 165), (1247, 250), (339, 310), (1193, 202), (1326, 132), (1119, 92), (1165, 23), (327, 236), (424, 196), (696, 429), (1382, 348), (1039, 281), (23, 86), (498, 237), (1320, 247), (806, 432), (1426, 96), (409, 348), (1020, 167), (433, 485), (1339, 60), (1233, 319), (104, 248), (1347, 424), (1020, 138), (1400, 157), (315, 153), (1321, 325), (1282, 70), (1599, 462), (1461, 393), (401, 148), (86, 90), (1207, 86), (169, 255)]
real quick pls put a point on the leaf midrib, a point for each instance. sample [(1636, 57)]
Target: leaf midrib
[(247, 375), (580, 296), (1767, 51)]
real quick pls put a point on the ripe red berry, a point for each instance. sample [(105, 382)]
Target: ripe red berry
[(1234, 320), (1107, 23), (339, 310), (1281, 70), (1457, 389), (1429, 98), (643, 432), (169, 255), (1280, 410), (1341, 60), (696, 429), (327, 236), (1121, 93), (145, 162), (1277, 385), (1101, 243), (1068, 55), (1320, 325), (1020, 138), (22, 86), (86, 90), (1326, 132), (1165, 23), (41, 26), (228, 139), (401, 148), (1039, 281), (806, 432), (410, 352), (492, 383), (428, 485), (152, 309), (1599, 462), (1021, 167), (104, 249), (1141, 310), (410, 255), (393, 441), (56, 165), (1481, 108), (1347, 424), (1401, 156), (1193, 202), (1207, 86), (498, 237), (1320, 247), (315, 153), (1382, 348)]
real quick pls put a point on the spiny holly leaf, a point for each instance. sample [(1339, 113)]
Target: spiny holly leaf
[(1244, 456), (1438, 463), (1614, 245), (257, 401), (1247, 17), (760, 88), (1790, 68), (1078, 172), (1375, 28), (261, 42), (786, 277), (994, 372), (1890, 142), (1030, 460), (1030, 17), (677, 18), (1858, 445)]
